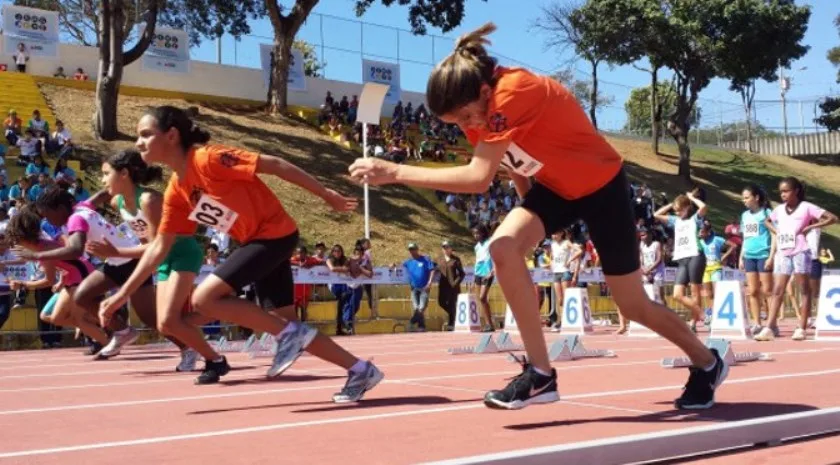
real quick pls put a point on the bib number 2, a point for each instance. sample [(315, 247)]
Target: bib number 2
[(214, 214)]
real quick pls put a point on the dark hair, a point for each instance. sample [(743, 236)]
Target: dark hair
[(482, 231), (456, 81), (24, 226), (757, 191), (796, 185), (138, 170), (54, 198), (168, 117)]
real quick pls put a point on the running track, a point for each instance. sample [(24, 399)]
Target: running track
[(56, 406)]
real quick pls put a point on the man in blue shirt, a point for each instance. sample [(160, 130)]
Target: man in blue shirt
[(421, 273)]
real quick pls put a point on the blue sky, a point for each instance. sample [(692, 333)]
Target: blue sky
[(335, 27)]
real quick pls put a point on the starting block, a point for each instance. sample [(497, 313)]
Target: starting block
[(727, 354), (570, 347), (264, 347), (504, 343), (486, 345), (225, 346)]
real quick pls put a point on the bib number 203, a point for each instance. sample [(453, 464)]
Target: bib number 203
[(214, 214)]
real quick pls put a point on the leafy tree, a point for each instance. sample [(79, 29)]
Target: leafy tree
[(286, 22), (582, 89), (638, 104), (704, 39), (311, 66), (834, 53), (79, 19), (830, 117)]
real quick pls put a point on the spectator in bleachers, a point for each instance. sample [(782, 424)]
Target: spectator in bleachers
[(4, 193), (358, 267), (37, 166), (451, 275), (39, 126), (80, 75), (59, 73), (338, 262), (78, 190), (353, 110), (12, 127), (21, 57), (63, 174), (398, 111), (303, 292), (61, 141), (30, 147), (43, 183), (320, 251)]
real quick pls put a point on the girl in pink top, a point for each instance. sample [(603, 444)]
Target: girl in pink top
[(790, 222), (24, 230)]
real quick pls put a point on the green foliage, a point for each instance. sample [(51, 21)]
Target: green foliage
[(637, 107), (311, 66), (834, 53), (582, 89), (830, 117), (442, 14)]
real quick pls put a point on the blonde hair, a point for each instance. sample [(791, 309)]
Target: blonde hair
[(456, 81), (681, 201)]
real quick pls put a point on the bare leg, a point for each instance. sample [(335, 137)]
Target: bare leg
[(172, 294)]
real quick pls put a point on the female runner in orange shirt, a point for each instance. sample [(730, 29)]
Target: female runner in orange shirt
[(534, 127), (218, 186)]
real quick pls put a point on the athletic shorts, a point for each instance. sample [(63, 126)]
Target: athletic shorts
[(563, 277), (608, 213), (690, 270), (119, 274), (755, 265), (816, 269), (265, 263), (483, 281), (186, 255), (713, 274), (49, 308), (794, 264)]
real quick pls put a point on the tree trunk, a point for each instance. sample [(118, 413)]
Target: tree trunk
[(655, 114), (278, 94), (107, 91), (678, 123), (593, 96)]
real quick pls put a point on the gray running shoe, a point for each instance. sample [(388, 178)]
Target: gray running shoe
[(358, 384), (290, 345)]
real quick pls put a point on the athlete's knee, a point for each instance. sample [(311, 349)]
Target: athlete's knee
[(778, 291), (504, 250), (753, 291), (202, 302)]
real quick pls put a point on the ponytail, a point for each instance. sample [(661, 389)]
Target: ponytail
[(139, 172), (796, 185), (456, 81), (169, 117)]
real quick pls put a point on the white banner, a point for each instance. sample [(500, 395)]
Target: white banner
[(296, 77), (383, 73), (36, 29), (169, 51)]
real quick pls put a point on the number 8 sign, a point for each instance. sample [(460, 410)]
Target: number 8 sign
[(466, 314), (828, 310)]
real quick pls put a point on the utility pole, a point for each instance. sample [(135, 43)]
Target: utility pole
[(784, 84)]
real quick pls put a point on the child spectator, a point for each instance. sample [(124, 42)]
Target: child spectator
[(12, 127), (59, 73), (61, 141), (79, 192), (21, 57), (30, 147), (39, 126), (37, 166), (80, 75)]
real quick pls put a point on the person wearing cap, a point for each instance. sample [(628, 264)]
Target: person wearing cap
[(451, 275), (421, 272)]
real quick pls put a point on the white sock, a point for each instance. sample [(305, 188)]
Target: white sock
[(710, 367), (542, 372), (359, 367), (289, 327), (219, 360)]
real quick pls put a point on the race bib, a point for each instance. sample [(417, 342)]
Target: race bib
[(214, 214), (140, 228), (685, 244), (518, 161), (787, 239), (750, 230)]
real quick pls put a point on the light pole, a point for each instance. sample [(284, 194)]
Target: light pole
[(784, 84)]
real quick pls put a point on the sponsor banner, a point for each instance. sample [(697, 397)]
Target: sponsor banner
[(383, 73), (36, 29), (169, 51), (296, 79)]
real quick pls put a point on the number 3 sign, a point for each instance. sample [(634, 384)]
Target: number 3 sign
[(828, 310)]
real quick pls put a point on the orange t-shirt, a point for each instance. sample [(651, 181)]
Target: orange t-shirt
[(551, 137), (221, 190)]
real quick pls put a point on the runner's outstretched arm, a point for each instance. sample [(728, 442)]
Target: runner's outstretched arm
[(73, 250), (286, 171), (474, 177)]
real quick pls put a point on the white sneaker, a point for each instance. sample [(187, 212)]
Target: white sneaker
[(290, 345), (119, 340), (358, 384), (189, 357), (798, 334), (766, 334)]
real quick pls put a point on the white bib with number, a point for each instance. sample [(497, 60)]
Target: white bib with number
[(213, 213), (685, 242), (750, 229), (787, 239), (518, 161)]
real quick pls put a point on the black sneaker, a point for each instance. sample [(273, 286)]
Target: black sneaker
[(528, 388), (699, 391), (213, 371), (94, 348)]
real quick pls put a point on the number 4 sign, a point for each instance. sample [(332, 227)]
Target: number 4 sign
[(828, 309), (577, 317), (729, 319)]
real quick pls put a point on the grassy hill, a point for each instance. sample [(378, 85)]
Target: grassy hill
[(399, 214)]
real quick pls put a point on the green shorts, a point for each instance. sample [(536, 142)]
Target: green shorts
[(186, 255)]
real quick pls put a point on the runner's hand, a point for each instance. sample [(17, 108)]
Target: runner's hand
[(374, 171), (341, 203), (109, 306), (102, 248)]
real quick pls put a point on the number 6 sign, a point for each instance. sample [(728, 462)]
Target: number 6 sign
[(576, 313), (828, 309)]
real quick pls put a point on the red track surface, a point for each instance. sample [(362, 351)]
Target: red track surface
[(59, 407)]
